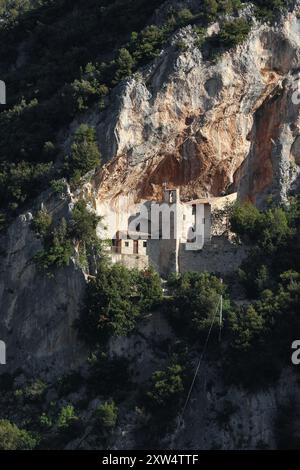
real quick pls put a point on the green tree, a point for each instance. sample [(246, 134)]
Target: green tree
[(198, 296), (67, 417), (148, 44), (107, 415), (42, 222), (233, 32), (84, 223), (166, 392), (246, 326), (148, 289), (58, 248), (184, 17), (85, 154), (124, 65), (13, 438), (211, 9), (114, 301)]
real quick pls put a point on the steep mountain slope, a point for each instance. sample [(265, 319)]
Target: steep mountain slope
[(208, 127), (202, 97)]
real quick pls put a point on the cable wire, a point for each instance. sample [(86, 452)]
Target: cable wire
[(200, 360)]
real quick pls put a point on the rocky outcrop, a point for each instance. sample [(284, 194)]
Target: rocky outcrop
[(271, 168), (206, 127), (37, 312)]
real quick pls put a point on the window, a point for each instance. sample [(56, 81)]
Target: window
[(127, 244), (194, 209), (145, 244), (184, 217)]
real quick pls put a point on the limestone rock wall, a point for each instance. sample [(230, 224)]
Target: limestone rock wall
[(37, 313), (206, 127)]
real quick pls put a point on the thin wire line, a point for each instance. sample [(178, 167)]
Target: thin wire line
[(200, 361)]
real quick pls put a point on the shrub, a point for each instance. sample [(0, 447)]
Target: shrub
[(267, 10), (147, 45), (261, 335), (273, 238), (59, 241), (198, 296), (210, 8), (42, 222), (35, 391), (85, 155), (84, 223), (107, 415), (58, 186), (184, 17), (233, 33), (58, 249), (246, 221), (20, 182), (148, 289), (45, 421), (246, 325), (124, 65), (114, 301), (13, 438), (165, 393), (67, 417)]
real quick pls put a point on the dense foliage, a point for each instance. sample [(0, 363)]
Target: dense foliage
[(198, 296), (114, 301), (60, 240), (61, 72), (166, 391), (13, 438), (107, 414), (262, 333), (72, 54), (59, 58), (84, 156)]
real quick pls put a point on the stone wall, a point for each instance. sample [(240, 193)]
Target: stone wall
[(162, 256), (219, 256), (131, 261)]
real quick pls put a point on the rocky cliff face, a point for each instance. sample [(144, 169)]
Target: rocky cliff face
[(207, 127), (217, 416), (38, 312)]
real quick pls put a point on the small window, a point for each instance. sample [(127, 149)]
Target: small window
[(194, 209), (127, 244), (184, 217), (145, 244)]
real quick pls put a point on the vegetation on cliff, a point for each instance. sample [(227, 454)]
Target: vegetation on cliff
[(59, 58)]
